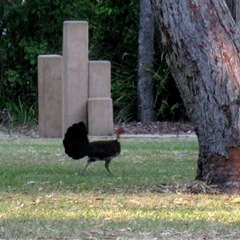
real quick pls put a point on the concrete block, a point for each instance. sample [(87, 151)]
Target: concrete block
[(99, 79), (75, 68), (100, 117), (50, 96)]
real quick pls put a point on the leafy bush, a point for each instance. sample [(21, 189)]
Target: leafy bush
[(124, 81), (35, 27), (168, 103), (18, 113), (31, 29)]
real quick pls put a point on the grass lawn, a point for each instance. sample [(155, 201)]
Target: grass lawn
[(44, 196)]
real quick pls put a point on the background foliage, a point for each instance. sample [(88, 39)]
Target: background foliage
[(35, 27)]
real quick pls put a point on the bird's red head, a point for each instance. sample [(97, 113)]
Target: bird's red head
[(119, 131)]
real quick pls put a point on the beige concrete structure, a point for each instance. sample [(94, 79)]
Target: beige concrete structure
[(75, 70), (100, 110), (74, 89), (50, 96), (100, 117), (99, 79)]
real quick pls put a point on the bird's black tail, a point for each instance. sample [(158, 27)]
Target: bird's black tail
[(76, 141)]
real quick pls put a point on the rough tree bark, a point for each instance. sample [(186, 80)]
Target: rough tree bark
[(145, 63), (202, 47)]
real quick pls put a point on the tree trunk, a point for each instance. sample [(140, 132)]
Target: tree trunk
[(202, 49), (145, 63)]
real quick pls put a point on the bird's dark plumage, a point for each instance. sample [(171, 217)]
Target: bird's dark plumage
[(77, 146), (76, 141)]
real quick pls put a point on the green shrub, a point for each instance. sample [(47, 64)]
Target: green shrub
[(18, 113), (35, 27), (124, 81)]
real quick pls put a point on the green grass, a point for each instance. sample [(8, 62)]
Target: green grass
[(44, 196)]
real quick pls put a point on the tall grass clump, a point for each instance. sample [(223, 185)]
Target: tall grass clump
[(18, 112)]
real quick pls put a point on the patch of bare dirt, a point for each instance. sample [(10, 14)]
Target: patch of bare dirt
[(157, 128), (131, 128), (19, 131), (193, 187)]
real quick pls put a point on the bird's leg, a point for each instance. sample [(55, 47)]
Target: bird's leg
[(88, 162), (107, 165)]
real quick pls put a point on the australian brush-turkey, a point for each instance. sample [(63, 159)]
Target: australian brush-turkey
[(77, 146)]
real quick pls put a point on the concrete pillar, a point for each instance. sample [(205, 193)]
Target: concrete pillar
[(100, 109), (99, 79), (50, 95), (75, 68), (100, 117)]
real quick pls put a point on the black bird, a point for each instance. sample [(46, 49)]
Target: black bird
[(77, 146)]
